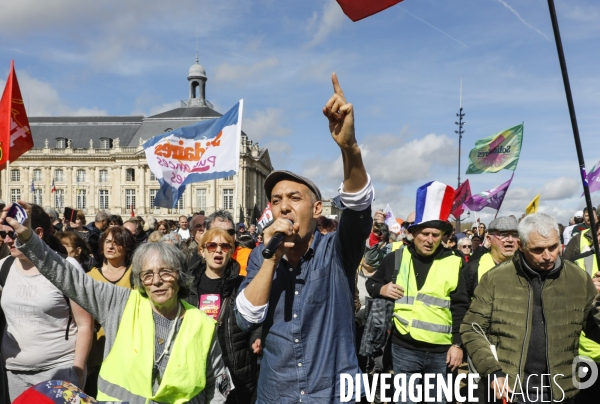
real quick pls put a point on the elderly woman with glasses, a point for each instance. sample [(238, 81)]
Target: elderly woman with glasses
[(216, 284), (158, 347)]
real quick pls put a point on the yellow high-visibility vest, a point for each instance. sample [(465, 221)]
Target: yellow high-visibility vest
[(486, 262), (425, 313), (588, 347), (126, 374), (396, 245)]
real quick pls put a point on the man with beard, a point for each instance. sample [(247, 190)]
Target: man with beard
[(503, 237)]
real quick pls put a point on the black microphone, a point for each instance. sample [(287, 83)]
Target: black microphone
[(274, 243)]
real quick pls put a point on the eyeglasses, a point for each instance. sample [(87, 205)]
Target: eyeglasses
[(165, 274), (466, 246), (11, 233), (212, 247), (505, 235)]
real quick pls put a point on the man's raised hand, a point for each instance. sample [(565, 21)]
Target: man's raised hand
[(340, 114)]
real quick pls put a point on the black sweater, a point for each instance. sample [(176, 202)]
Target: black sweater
[(459, 302)]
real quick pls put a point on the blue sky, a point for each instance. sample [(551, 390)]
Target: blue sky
[(400, 68)]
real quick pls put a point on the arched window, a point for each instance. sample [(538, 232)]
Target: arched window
[(106, 143), (61, 143), (130, 174), (80, 176), (103, 175)]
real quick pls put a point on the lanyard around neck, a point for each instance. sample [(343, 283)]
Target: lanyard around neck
[(171, 334)]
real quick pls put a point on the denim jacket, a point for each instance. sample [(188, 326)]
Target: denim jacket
[(309, 332)]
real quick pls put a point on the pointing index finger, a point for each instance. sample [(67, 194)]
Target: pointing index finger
[(336, 86)]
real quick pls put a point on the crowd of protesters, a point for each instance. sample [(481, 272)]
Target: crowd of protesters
[(197, 310)]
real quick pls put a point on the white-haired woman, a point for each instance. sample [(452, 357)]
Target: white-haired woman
[(158, 347)]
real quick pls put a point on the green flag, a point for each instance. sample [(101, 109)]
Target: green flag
[(497, 152)]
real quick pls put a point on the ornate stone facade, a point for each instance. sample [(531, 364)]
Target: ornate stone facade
[(97, 163)]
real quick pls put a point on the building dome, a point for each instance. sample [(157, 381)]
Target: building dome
[(197, 70)]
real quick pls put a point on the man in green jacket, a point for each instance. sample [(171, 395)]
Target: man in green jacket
[(531, 310)]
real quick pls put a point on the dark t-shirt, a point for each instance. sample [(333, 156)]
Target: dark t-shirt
[(210, 295), (208, 285)]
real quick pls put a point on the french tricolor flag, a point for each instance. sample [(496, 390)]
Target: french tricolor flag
[(434, 202)]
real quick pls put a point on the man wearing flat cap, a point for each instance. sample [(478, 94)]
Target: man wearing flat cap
[(304, 294), (428, 290), (503, 238)]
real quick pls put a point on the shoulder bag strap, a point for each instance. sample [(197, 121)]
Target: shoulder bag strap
[(397, 263), (6, 269)]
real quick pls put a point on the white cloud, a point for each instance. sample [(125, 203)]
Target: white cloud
[(41, 99), (149, 104), (278, 147), (412, 161), (331, 20), (390, 161), (265, 124), (228, 72), (560, 188), (110, 35)]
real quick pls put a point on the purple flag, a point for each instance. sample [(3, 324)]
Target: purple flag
[(488, 199), (593, 178)]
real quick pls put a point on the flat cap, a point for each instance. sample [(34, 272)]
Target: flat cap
[(504, 223), (280, 175)]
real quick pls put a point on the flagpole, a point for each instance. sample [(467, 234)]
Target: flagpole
[(501, 202), (459, 132), (569, 95)]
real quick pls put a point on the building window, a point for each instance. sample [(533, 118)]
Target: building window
[(103, 175), (37, 196), (153, 197), (228, 178), (58, 175), (80, 176), (61, 143), (152, 176), (180, 202), (103, 202), (201, 199), (130, 174), (228, 199), (37, 175), (130, 199), (15, 195), (59, 199), (15, 175), (81, 199), (105, 143)]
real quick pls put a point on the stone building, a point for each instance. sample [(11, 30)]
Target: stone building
[(98, 163)]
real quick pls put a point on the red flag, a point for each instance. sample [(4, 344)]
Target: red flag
[(15, 136), (359, 9), (462, 194)]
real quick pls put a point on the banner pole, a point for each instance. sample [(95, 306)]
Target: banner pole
[(569, 95)]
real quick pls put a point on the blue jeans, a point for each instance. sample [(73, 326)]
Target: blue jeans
[(409, 362)]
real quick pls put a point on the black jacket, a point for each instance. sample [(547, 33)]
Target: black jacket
[(94, 239), (235, 343)]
